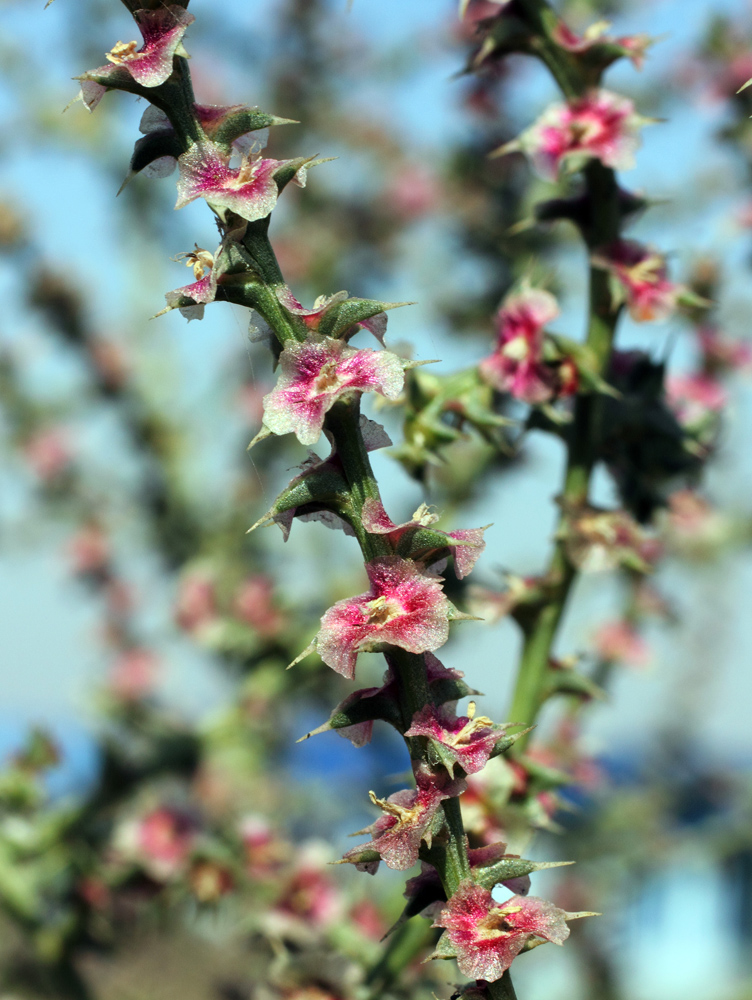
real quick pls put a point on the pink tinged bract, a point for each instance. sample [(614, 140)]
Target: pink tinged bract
[(600, 125), (467, 544), (207, 269), (318, 372), (404, 608), (324, 303), (407, 820), (149, 66), (249, 190), (517, 365), (469, 739), (642, 274), (486, 936)]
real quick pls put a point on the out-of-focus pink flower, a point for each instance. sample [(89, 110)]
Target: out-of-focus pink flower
[(694, 398), (315, 374), (196, 604), (598, 540), (90, 551), (404, 608), (161, 841), (412, 192), (149, 66), (469, 740), (254, 604), (263, 851), (517, 364), (210, 881), (310, 895), (642, 276), (485, 936), (695, 527), (466, 544), (721, 352), (599, 126), (407, 821), (110, 362), (133, 675), (367, 917), (48, 454), (620, 641)]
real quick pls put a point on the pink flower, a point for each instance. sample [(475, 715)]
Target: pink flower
[(161, 841), (249, 190), (263, 851), (48, 454), (407, 821), (133, 675), (470, 740), (466, 545), (485, 937), (517, 365), (620, 641), (318, 372), (211, 118), (310, 895), (207, 269), (254, 604), (599, 126), (149, 66), (90, 551), (403, 608), (641, 273), (721, 352), (196, 604), (695, 398), (353, 718), (598, 540), (412, 192), (696, 528), (110, 362)]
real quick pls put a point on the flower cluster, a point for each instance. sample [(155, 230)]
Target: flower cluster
[(525, 363)]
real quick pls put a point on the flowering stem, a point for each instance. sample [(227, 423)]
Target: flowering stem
[(604, 223)]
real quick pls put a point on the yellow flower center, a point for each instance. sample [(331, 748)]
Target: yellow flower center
[(327, 379), (200, 260), (405, 815), (382, 610), (517, 349), (464, 735), (122, 52), (424, 516)]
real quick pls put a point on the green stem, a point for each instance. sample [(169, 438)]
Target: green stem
[(603, 228), (407, 942), (502, 989)]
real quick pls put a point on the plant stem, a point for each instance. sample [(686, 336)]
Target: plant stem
[(407, 942), (603, 228)]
